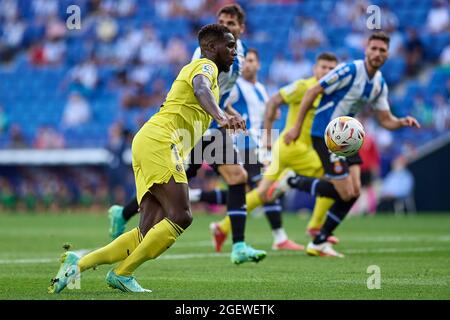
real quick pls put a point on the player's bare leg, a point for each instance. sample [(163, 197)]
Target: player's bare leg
[(173, 200)]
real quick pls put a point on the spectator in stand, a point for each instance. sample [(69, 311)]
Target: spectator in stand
[(43, 9), (445, 56), (11, 38), (358, 16), (165, 9), (135, 97), (48, 138), (84, 76), (306, 33), (8, 198), (151, 51), (397, 187), (441, 113), (177, 53), (55, 28), (17, 139), (140, 73), (355, 39), (118, 143), (28, 197), (414, 52), (279, 70), (312, 35), (119, 8), (341, 16), (299, 67), (423, 112), (8, 9), (389, 22), (157, 95), (4, 121), (447, 86), (76, 112), (438, 19), (106, 30), (127, 47)]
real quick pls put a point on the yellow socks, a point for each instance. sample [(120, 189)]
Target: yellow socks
[(115, 251), (157, 240), (319, 214), (253, 200), (225, 225)]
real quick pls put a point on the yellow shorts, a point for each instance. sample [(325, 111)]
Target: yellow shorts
[(298, 156), (156, 159)]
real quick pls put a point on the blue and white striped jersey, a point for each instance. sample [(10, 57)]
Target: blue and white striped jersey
[(347, 90), (249, 99)]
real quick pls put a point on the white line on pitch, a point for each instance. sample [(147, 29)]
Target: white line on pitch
[(222, 255)]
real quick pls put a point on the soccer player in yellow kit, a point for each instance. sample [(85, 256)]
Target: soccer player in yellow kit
[(300, 156), (158, 151)]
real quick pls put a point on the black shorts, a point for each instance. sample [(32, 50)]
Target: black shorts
[(253, 167), (216, 148), (335, 167), (366, 178)]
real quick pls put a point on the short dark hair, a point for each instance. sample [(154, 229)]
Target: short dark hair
[(255, 51), (211, 32), (233, 10), (328, 56), (380, 35)]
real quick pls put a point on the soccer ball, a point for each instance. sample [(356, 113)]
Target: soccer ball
[(344, 136)]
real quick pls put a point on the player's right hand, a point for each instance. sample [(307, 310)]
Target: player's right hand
[(233, 122), (291, 136), (266, 140)]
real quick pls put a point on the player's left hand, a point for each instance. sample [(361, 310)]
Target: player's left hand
[(291, 136), (410, 122)]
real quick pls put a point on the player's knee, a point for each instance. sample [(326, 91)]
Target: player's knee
[(237, 175), (356, 191), (183, 218), (345, 194)]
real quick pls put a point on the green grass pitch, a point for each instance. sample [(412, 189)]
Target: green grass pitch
[(412, 252)]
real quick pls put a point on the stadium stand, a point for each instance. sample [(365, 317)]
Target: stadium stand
[(128, 51)]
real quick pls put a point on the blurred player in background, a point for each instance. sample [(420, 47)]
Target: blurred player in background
[(248, 97), (370, 171), (345, 90), (300, 155), (234, 174), (158, 151)]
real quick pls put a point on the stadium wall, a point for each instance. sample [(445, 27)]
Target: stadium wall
[(430, 168)]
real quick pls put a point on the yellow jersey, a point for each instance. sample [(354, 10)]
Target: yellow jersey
[(293, 94), (181, 109), (165, 140)]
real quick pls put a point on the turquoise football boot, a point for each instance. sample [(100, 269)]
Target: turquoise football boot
[(116, 221), (68, 272), (244, 253), (124, 283)]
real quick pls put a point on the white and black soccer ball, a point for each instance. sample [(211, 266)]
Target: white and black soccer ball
[(344, 136)]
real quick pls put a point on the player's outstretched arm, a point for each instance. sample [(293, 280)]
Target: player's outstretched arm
[(306, 104), (389, 121), (205, 96), (270, 116)]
